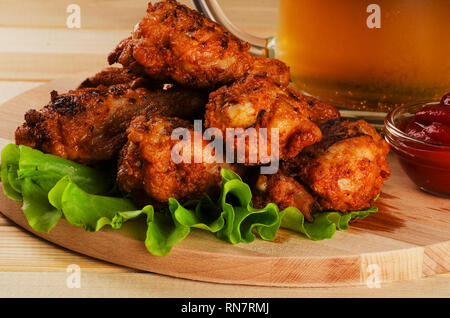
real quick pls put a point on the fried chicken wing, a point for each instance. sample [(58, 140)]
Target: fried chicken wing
[(147, 169), (285, 192), (346, 169), (174, 42), (123, 54), (88, 125), (319, 111), (257, 102), (115, 75)]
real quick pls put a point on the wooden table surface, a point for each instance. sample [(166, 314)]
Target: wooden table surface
[(37, 47)]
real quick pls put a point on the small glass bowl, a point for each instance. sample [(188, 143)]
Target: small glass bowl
[(426, 164)]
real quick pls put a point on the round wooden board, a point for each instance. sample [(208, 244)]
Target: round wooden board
[(408, 238)]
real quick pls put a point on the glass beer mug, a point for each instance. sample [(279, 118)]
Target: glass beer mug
[(368, 56)]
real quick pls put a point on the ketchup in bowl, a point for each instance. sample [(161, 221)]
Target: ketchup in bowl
[(420, 135), (432, 123)]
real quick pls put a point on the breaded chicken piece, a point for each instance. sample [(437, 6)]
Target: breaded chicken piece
[(88, 125), (346, 169), (147, 169), (257, 102), (285, 192), (111, 76), (115, 75), (123, 54), (320, 112), (275, 69), (174, 42)]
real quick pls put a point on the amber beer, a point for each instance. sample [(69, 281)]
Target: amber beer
[(349, 53)]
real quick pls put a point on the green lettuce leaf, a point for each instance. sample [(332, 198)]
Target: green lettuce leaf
[(164, 232), (8, 172), (240, 216), (325, 223), (41, 215), (46, 170), (203, 214), (28, 175), (90, 211)]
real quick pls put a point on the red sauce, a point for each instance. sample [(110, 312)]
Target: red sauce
[(427, 165), (432, 123)]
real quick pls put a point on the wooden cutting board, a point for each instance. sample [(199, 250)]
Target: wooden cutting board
[(408, 238)]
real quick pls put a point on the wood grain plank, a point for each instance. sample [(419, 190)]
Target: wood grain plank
[(45, 67), (52, 13), (16, 284), (40, 51), (4, 221), (60, 41), (21, 251), (258, 16)]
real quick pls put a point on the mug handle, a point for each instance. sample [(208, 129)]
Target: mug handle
[(212, 10)]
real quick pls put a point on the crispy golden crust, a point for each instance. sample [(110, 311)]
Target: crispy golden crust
[(123, 54), (113, 76), (88, 125), (285, 192), (346, 169), (320, 112), (257, 102), (174, 42), (275, 69), (146, 164)]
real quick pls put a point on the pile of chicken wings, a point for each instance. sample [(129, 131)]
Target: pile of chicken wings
[(178, 66)]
